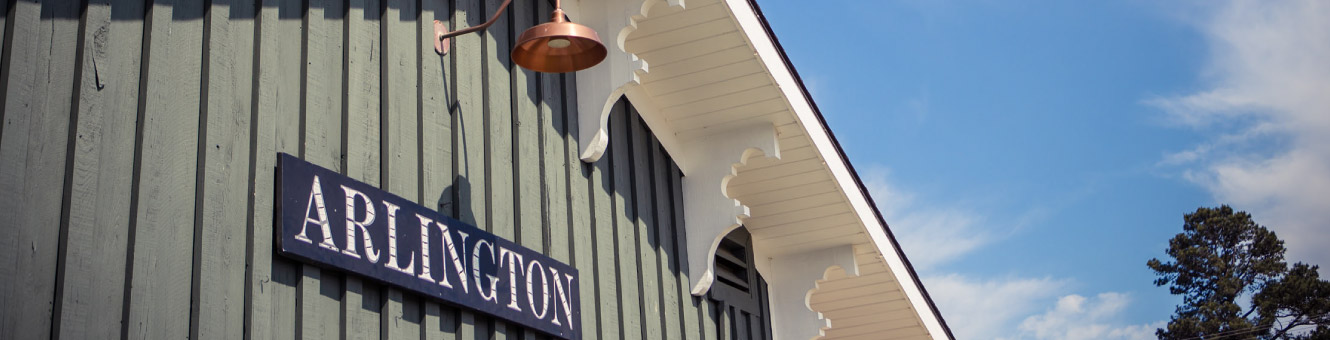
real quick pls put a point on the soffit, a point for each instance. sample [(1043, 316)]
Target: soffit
[(705, 76)]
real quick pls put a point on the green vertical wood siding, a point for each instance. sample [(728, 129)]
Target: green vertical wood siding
[(139, 145)]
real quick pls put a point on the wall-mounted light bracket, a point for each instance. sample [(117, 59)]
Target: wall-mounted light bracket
[(442, 35), (554, 47)]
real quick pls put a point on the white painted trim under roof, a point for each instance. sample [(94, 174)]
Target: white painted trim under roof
[(767, 48), (688, 107)]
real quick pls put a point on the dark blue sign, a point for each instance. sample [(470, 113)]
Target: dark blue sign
[(335, 221)]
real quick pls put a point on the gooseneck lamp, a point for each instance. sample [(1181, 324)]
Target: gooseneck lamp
[(557, 46)]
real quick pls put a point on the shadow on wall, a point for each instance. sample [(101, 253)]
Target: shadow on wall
[(449, 204)]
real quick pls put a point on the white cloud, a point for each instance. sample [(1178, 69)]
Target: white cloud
[(929, 236), (992, 308), (1268, 105), (1076, 317), (1016, 308), (984, 309)]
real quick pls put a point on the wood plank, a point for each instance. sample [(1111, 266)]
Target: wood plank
[(400, 103), (640, 139), (764, 300), (580, 208), (698, 126), (469, 138), (437, 95), (796, 248), (742, 323), (796, 227), (722, 104), (716, 88), (39, 79), (436, 147), (273, 279), (681, 82), (721, 314), (607, 278), (404, 314), (556, 166), (796, 161), (853, 282), (160, 295), (440, 320), (859, 296), (323, 79), (96, 241), (499, 187), (693, 306), (320, 291), (875, 322), (220, 269), (684, 33), (401, 169), (777, 117), (529, 149), (665, 19), (362, 304), (672, 301), (704, 63), (695, 48), (470, 117), (792, 193), (362, 86), (818, 199), (499, 125), (630, 300), (790, 153), (765, 185), (707, 310), (802, 215), (473, 326), (319, 297)]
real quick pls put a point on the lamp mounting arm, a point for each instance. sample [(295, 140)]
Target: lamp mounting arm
[(442, 35)]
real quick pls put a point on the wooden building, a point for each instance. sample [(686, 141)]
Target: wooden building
[(688, 177)]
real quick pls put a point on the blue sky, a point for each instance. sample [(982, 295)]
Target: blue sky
[(1032, 155)]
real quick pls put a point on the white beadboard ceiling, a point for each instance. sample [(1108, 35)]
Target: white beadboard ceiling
[(707, 74)]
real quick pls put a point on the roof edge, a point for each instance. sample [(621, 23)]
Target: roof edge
[(757, 10)]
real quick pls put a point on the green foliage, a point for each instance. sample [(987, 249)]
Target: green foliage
[(1222, 255), (1300, 299)]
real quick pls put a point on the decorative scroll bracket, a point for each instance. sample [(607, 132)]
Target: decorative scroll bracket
[(709, 212), (792, 280), (601, 86)]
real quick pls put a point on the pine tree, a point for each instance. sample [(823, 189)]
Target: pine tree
[(1222, 255)]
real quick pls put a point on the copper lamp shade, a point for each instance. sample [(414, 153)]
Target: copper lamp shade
[(558, 46)]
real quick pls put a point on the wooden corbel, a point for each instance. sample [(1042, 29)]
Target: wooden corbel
[(792, 280), (709, 212), (599, 87)]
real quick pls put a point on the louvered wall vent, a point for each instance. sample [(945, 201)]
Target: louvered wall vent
[(733, 261)]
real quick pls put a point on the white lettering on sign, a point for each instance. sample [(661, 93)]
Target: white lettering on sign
[(352, 225), (562, 295), (392, 243), (514, 266), (544, 289), (316, 203), (450, 251), (549, 294), (424, 248), (475, 270)]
